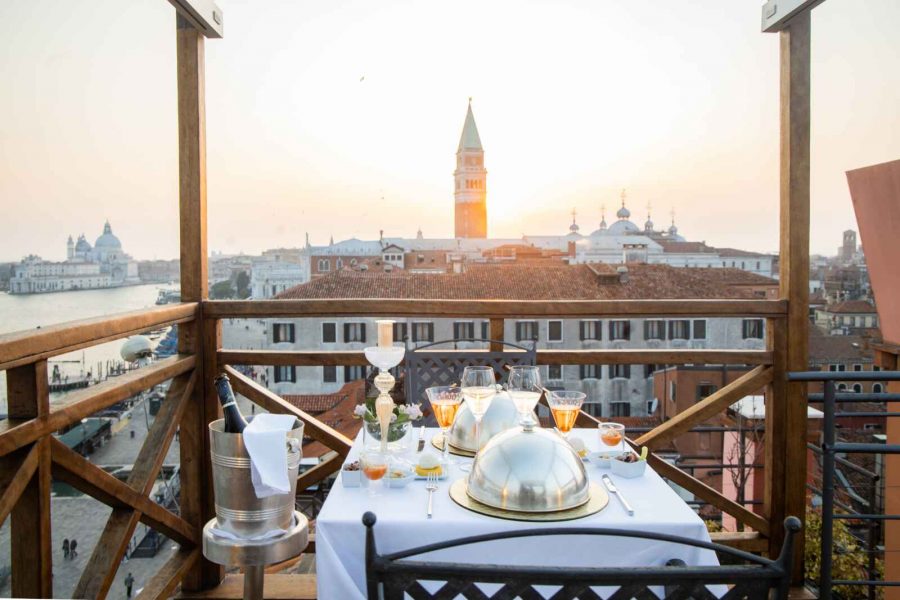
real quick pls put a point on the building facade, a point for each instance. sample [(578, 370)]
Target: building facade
[(102, 265)]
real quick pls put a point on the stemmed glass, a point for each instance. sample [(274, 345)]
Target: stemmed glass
[(525, 388), (445, 401), (479, 386), (374, 467), (564, 405), (612, 434)]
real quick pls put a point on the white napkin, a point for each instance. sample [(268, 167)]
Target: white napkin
[(266, 441)]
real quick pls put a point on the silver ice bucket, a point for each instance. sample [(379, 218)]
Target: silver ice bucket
[(238, 510)]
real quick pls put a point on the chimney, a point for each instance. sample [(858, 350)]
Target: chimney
[(572, 249), (623, 274)]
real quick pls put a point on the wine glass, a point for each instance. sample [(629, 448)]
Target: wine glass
[(612, 435), (525, 389), (445, 401), (478, 388), (374, 466), (564, 405)]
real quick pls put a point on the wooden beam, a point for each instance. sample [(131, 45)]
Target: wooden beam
[(28, 397), (786, 490), (372, 307), (16, 470), (23, 347), (196, 474), (497, 334), (708, 407), (77, 471), (270, 401), (748, 541), (164, 583), (80, 404), (708, 494), (319, 472), (97, 577), (315, 358)]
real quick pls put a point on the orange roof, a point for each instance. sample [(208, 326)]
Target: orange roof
[(555, 281), (851, 306)]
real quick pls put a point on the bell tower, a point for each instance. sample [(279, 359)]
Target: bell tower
[(470, 181)]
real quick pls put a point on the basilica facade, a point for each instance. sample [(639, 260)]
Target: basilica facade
[(103, 265)]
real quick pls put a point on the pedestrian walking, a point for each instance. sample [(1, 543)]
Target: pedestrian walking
[(66, 548), (72, 545), (129, 583)]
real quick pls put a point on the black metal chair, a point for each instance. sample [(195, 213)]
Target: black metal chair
[(398, 575), (427, 366)]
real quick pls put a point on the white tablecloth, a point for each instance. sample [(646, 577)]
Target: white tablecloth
[(402, 524)]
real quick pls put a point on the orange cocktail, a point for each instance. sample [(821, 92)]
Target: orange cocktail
[(611, 434), (565, 406)]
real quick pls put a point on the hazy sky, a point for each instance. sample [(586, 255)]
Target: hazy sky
[(675, 101)]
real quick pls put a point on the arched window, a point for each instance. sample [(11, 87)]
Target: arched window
[(857, 388), (877, 388), (842, 387)]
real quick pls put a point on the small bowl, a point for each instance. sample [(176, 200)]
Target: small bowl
[(351, 479), (405, 476), (604, 458), (628, 470)]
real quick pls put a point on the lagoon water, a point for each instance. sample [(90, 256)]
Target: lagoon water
[(18, 313)]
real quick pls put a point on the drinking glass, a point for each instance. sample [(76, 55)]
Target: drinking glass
[(612, 435), (445, 401), (525, 389), (374, 467), (479, 386), (564, 405)]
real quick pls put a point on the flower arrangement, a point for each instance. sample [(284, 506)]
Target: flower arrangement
[(403, 413)]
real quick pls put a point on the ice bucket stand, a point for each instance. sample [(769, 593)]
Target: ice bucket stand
[(253, 556)]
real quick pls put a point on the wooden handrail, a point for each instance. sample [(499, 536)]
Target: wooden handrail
[(23, 347), (606, 356), (488, 309), (83, 403)]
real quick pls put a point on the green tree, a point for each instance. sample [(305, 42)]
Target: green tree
[(242, 283), (849, 559), (221, 290)]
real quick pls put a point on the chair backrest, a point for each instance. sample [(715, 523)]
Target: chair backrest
[(399, 575), (428, 365)]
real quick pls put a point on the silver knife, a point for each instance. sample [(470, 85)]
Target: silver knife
[(614, 490), (421, 445)]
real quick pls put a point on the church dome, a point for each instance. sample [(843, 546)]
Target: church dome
[(623, 227), (648, 226), (573, 228), (673, 230), (108, 240), (623, 213), (83, 245)]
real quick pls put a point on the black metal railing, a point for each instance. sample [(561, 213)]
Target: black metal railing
[(833, 452)]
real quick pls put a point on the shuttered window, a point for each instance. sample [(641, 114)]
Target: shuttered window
[(423, 332), (354, 332), (526, 331), (620, 330), (463, 330), (752, 329), (680, 330), (283, 332), (329, 333), (620, 371), (654, 329), (329, 374), (590, 330), (285, 373), (590, 371), (401, 330)]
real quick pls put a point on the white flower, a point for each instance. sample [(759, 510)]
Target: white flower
[(413, 411), (360, 410)]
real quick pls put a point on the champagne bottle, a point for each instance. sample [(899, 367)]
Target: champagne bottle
[(234, 420)]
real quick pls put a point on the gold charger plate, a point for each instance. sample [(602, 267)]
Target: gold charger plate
[(438, 442), (598, 501)]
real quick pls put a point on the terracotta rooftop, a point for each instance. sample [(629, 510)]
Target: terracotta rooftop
[(825, 349), (535, 282), (852, 306), (673, 246), (739, 253), (338, 414)]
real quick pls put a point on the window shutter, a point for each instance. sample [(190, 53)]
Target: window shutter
[(598, 329), (581, 371), (672, 330), (627, 330), (626, 370), (456, 335), (291, 333), (581, 330), (346, 332), (362, 332), (430, 328), (646, 330), (346, 374), (518, 332)]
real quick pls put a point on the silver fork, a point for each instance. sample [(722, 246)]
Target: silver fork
[(431, 484)]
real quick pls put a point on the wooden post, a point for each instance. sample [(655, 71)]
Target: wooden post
[(786, 489), (496, 335), (196, 474), (30, 544)]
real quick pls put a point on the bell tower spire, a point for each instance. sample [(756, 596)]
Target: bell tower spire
[(470, 182)]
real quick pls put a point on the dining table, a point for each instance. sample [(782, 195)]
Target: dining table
[(402, 523)]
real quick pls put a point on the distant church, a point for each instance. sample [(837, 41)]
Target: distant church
[(102, 265), (470, 179)]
